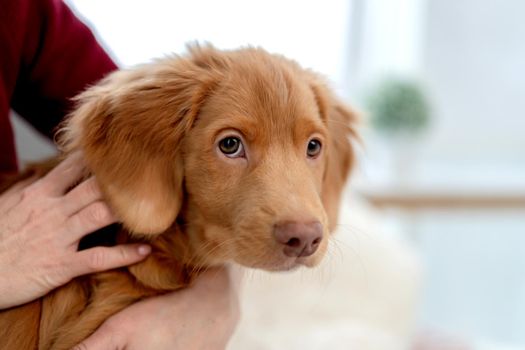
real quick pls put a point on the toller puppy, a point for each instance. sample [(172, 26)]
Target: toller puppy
[(214, 157)]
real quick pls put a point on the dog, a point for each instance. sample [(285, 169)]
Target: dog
[(211, 157)]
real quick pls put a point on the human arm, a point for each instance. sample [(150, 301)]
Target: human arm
[(47, 56), (54, 57), (202, 316)]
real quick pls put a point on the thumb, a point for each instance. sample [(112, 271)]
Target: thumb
[(102, 339), (105, 258)]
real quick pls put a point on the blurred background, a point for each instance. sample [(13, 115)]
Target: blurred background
[(440, 183)]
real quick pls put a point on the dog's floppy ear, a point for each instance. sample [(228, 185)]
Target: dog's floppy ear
[(129, 128), (341, 122)]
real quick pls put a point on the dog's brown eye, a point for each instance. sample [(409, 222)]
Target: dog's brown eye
[(231, 147), (314, 148)]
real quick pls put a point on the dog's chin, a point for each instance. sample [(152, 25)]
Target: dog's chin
[(283, 263), (287, 265)]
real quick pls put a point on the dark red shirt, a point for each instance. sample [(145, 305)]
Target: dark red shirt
[(47, 56)]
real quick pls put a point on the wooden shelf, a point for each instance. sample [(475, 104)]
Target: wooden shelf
[(420, 198)]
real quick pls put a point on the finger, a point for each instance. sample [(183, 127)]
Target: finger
[(64, 175), (105, 258), (91, 218), (82, 195)]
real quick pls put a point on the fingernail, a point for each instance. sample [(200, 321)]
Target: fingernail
[(144, 249)]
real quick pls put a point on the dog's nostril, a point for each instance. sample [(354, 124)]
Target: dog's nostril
[(293, 242), (299, 239)]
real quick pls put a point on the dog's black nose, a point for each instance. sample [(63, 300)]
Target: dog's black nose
[(299, 238)]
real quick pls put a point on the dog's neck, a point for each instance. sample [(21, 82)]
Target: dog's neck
[(177, 257)]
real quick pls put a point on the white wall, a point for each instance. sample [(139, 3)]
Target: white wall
[(312, 32), (474, 66), (474, 61)]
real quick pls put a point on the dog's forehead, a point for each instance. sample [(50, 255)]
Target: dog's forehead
[(270, 92)]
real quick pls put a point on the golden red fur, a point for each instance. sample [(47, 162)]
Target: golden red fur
[(150, 134)]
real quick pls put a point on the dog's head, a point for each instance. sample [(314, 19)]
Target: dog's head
[(249, 150)]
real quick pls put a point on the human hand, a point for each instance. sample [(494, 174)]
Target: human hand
[(200, 317), (40, 227)]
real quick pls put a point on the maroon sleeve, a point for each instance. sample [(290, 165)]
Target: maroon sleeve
[(59, 58)]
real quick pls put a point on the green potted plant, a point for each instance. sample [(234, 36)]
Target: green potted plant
[(399, 113), (398, 107)]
